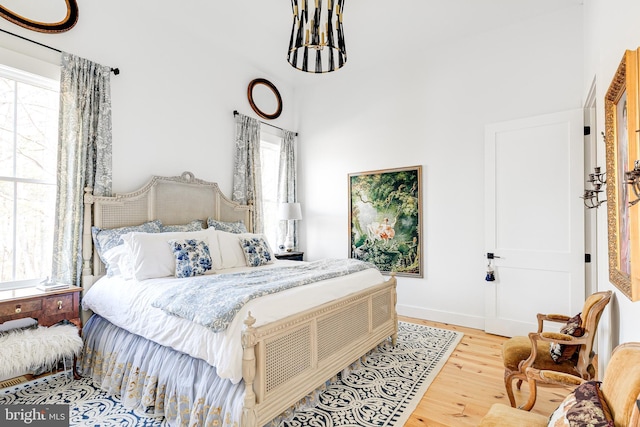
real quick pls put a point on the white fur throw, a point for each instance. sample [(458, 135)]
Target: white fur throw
[(27, 349)]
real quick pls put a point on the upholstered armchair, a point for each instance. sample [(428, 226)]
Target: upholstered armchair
[(569, 351), (619, 396)]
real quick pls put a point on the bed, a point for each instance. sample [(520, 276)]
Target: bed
[(273, 354)]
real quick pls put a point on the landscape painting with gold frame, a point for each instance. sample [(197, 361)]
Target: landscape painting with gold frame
[(621, 123), (385, 219)]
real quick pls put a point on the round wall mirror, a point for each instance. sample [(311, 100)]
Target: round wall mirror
[(47, 17), (265, 99)]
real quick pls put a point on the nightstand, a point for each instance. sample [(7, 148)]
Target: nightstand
[(292, 256), (48, 308)]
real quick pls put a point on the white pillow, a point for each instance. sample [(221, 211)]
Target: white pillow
[(112, 259), (151, 254), (231, 250), (125, 265)]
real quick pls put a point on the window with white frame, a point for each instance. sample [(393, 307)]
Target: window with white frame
[(28, 161), (270, 164)]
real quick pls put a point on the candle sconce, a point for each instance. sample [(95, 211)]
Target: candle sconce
[(632, 178), (597, 179)]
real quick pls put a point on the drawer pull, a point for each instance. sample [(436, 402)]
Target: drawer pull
[(59, 305), (18, 309)]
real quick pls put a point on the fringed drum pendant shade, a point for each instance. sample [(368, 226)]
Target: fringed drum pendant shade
[(317, 36)]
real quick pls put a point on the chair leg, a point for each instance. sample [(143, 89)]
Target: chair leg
[(508, 385), (76, 375), (533, 394)]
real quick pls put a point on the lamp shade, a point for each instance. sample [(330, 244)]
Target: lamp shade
[(317, 36), (290, 211)]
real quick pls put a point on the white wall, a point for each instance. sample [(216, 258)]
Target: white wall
[(610, 28), (174, 99), (431, 110)]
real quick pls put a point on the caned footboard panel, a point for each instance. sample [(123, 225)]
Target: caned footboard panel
[(298, 354), (338, 330), (280, 366)]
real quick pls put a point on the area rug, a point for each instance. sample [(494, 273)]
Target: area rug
[(381, 390)]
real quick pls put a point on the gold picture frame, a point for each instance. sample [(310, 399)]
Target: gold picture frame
[(621, 140), (385, 219)]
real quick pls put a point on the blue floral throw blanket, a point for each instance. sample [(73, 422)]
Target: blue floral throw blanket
[(213, 301)]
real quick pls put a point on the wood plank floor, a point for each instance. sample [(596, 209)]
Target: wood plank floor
[(471, 381)]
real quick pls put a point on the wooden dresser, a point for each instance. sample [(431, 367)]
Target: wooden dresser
[(48, 308)]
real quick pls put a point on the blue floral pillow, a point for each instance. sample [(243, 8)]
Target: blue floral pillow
[(105, 239), (192, 257), (195, 225), (229, 227), (256, 251)]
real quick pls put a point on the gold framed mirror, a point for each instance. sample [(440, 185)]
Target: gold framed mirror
[(622, 149), (65, 24)]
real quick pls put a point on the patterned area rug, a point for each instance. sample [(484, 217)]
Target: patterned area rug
[(89, 406), (382, 390)]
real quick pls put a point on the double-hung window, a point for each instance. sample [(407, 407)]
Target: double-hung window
[(270, 164), (28, 161)]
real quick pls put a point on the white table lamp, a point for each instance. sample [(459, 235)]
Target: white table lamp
[(289, 212)]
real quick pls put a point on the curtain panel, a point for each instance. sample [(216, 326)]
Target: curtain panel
[(287, 182), (247, 176), (84, 157)]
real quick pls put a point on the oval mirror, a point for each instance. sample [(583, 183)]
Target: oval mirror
[(265, 99), (48, 13)]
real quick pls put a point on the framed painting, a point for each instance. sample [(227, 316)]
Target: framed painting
[(385, 219), (621, 141)]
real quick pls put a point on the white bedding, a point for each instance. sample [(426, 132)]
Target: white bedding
[(127, 304)]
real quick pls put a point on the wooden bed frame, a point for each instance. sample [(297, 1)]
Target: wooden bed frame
[(283, 361)]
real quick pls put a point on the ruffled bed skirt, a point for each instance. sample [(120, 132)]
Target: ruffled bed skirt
[(158, 381)]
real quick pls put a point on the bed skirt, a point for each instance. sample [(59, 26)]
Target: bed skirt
[(158, 381)]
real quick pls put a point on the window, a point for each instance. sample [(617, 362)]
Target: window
[(270, 164), (28, 154)]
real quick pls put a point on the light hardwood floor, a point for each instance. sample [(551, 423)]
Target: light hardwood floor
[(471, 381)]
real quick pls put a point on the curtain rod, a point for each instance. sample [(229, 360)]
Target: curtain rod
[(115, 71), (235, 113)]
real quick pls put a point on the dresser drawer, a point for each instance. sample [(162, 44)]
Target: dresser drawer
[(59, 304), (23, 308)]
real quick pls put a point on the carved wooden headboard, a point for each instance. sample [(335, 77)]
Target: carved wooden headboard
[(172, 200)]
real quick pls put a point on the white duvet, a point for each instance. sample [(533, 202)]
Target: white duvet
[(127, 304)]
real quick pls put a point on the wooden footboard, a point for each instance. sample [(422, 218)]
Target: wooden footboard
[(286, 360)]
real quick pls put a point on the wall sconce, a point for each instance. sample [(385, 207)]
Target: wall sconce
[(597, 180), (632, 178)]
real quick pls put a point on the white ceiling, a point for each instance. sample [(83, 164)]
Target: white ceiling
[(258, 30), (375, 30)]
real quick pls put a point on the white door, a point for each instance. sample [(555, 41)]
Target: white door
[(534, 220)]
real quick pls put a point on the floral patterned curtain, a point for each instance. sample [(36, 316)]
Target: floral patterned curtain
[(287, 182), (84, 157), (247, 186)]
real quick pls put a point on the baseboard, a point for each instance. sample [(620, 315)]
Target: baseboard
[(441, 316), (14, 381)]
